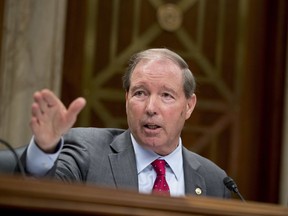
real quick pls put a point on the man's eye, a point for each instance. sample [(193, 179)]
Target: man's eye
[(167, 95), (139, 93)]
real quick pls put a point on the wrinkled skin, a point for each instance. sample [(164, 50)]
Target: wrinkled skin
[(156, 105)]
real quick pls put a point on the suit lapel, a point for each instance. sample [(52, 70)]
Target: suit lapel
[(123, 162), (123, 166), (194, 182)]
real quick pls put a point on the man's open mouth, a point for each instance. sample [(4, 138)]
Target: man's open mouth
[(149, 126)]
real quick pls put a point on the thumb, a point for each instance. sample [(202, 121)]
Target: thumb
[(74, 108)]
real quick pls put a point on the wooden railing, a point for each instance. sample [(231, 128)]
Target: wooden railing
[(46, 197)]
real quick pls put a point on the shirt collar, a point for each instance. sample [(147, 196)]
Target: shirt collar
[(145, 157)]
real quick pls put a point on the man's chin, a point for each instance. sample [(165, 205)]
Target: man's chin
[(152, 144)]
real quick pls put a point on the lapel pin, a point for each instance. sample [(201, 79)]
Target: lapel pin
[(198, 191)]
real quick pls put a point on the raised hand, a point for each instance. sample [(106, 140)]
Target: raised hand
[(51, 119)]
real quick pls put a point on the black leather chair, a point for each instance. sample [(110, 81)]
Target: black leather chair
[(8, 161)]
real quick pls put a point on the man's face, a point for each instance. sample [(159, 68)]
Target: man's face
[(156, 105)]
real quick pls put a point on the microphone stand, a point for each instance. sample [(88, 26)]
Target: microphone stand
[(18, 162), (232, 186)]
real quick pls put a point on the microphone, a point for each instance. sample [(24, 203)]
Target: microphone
[(18, 162), (231, 185)]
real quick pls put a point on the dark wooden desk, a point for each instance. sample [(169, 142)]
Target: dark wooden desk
[(30, 196)]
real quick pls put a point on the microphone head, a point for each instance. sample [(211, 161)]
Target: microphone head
[(230, 184)]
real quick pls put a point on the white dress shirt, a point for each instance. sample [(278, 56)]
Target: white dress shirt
[(147, 175)]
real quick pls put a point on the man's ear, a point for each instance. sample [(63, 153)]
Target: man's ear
[(126, 100), (191, 103)]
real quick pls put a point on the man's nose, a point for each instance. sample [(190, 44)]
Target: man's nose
[(152, 105)]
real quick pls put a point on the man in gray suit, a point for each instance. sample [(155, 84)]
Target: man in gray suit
[(159, 99)]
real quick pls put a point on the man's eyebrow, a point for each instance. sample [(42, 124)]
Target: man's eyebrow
[(169, 89), (137, 87)]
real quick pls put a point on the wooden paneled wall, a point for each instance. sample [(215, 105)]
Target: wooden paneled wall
[(234, 48)]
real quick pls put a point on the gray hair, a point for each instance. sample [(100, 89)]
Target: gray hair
[(189, 83)]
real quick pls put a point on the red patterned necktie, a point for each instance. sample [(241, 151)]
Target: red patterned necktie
[(160, 184)]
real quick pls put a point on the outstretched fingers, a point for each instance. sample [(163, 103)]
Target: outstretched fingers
[(49, 112)]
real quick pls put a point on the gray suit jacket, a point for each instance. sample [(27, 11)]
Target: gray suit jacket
[(105, 157)]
